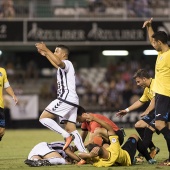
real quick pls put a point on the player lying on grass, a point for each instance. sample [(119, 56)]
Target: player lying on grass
[(47, 154), (114, 154)]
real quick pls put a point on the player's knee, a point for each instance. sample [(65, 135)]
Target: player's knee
[(134, 136), (140, 124), (159, 125)]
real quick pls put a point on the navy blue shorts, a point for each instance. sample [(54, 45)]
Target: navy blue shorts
[(162, 107), (149, 118), (2, 118)]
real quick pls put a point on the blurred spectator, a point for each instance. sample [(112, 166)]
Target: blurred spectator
[(10, 71), (114, 97), (32, 70), (45, 91), (53, 89), (7, 9), (139, 8), (96, 6), (127, 94)]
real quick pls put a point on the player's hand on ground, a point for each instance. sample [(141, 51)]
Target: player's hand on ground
[(88, 117), (121, 113), (147, 23)]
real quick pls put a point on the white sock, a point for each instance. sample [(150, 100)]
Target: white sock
[(57, 161), (51, 124), (78, 141)]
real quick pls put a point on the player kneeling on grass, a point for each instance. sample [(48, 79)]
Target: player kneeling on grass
[(114, 154), (47, 154)]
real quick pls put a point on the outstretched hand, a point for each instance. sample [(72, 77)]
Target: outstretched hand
[(147, 23), (121, 113)]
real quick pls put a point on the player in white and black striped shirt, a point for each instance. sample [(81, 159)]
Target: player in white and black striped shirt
[(66, 104)]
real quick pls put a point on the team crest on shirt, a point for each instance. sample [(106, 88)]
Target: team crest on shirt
[(160, 57), (113, 140), (0, 74)]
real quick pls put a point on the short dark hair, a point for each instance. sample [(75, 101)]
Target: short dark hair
[(160, 36), (90, 147), (141, 73), (65, 48), (80, 111)]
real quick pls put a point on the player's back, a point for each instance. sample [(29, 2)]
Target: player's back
[(107, 120)]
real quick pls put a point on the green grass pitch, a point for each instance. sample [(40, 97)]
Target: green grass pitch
[(16, 145)]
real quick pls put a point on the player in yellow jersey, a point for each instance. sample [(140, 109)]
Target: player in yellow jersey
[(4, 83), (114, 154), (145, 127), (161, 86)]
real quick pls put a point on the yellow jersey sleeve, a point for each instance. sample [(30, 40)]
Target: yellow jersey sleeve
[(148, 93)]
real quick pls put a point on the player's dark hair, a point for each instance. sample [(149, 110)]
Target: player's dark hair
[(65, 48), (90, 147), (141, 73), (160, 36), (80, 111)]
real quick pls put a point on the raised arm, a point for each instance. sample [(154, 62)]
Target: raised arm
[(149, 28), (56, 61), (48, 58)]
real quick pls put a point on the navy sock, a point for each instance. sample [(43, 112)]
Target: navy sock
[(143, 150), (166, 133), (147, 137)]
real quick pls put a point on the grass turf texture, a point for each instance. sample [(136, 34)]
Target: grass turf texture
[(16, 145)]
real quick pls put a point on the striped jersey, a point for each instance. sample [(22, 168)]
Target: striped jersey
[(58, 146), (66, 85)]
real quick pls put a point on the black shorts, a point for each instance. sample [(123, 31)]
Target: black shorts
[(130, 146), (2, 118), (149, 118), (120, 134), (162, 107)]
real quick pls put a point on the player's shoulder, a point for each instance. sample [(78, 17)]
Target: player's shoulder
[(2, 70), (67, 61)]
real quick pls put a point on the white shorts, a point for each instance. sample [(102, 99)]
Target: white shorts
[(40, 149), (62, 109)]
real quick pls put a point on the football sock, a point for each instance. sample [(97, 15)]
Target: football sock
[(142, 149), (166, 133), (141, 132), (57, 161), (147, 137), (1, 137), (51, 124), (78, 141)]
